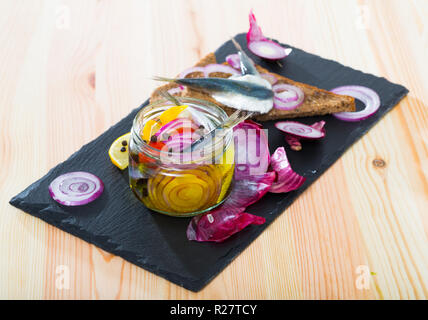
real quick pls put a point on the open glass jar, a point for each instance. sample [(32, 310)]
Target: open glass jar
[(170, 177)]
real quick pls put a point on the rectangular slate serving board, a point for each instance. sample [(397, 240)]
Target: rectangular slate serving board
[(118, 223)]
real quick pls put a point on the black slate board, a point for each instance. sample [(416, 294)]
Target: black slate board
[(118, 223)]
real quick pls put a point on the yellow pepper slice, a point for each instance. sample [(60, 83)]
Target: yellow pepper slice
[(172, 113), (150, 128)]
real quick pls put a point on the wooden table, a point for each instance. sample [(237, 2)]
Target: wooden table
[(71, 69)]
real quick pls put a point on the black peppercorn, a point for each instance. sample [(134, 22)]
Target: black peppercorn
[(124, 143), (123, 149), (153, 139)]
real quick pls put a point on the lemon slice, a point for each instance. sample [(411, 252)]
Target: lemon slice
[(171, 114), (118, 151)]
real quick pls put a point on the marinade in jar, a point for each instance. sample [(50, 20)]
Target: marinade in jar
[(168, 178)]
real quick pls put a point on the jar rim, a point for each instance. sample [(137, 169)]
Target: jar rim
[(156, 153)]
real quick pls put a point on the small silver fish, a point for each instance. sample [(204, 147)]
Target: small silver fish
[(210, 85)]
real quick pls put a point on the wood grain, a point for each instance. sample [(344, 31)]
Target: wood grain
[(71, 69)]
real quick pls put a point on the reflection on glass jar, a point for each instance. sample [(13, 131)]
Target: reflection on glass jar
[(169, 176)]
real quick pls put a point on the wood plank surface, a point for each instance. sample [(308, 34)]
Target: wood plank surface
[(71, 69)]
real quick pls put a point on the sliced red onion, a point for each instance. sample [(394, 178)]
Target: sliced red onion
[(299, 130), (176, 90), (249, 189), (286, 179), (268, 49), (252, 155), (230, 218), (294, 141), (270, 78), (171, 127), (76, 188), (234, 60), (215, 67), (219, 225), (208, 69), (191, 70), (179, 142), (287, 97), (261, 46), (366, 95)]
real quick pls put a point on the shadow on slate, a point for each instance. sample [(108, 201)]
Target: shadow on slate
[(118, 223)]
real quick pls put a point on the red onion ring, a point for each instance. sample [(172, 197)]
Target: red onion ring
[(175, 90), (180, 141), (76, 188), (366, 95), (261, 46), (171, 127), (270, 78), (288, 103), (208, 69), (299, 130), (188, 71), (215, 67), (234, 60), (268, 49)]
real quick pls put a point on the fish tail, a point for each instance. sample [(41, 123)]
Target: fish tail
[(236, 44), (157, 78)]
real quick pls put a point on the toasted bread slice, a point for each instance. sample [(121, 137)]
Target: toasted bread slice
[(317, 101)]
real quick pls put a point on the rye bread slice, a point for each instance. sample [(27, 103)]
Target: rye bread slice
[(317, 101)]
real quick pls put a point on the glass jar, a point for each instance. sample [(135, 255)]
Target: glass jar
[(185, 183)]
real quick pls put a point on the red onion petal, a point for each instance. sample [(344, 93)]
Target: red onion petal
[(287, 180), (366, 95), (319, 126), (230, 218), (249, 190), (255, 33), (219, 225), (76, 188)]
